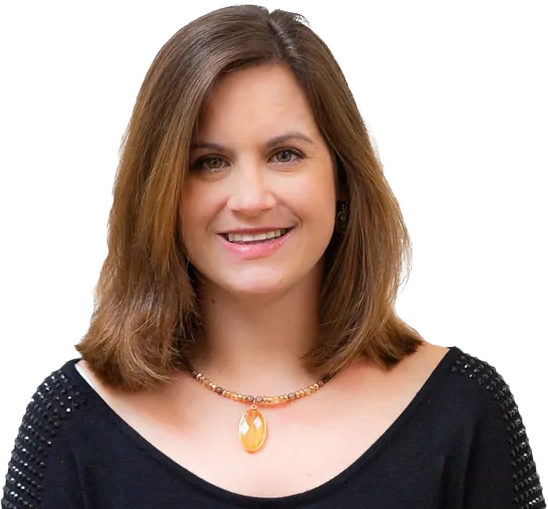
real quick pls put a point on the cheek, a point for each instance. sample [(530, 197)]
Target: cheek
[(314, 197), (197, 207), (194, 217)]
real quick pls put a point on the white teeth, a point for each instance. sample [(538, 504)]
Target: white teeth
[(245, 237)]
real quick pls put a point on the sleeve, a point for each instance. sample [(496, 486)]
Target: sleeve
[(501, 471), (42, 472)]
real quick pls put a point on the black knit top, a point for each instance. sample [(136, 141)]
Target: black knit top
[(460, 444)]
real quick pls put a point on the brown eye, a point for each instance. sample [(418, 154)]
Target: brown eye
[(287, 156), (212, 164)]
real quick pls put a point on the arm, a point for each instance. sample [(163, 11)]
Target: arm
[(42, 472), (501, 472)]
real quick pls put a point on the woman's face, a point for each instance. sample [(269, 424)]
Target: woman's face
[(258, 207)]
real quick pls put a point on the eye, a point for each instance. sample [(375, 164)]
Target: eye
[(214, 164), (211, 164), (288, 155)]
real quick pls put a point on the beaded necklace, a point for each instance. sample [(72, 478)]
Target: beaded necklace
[(252, 428)]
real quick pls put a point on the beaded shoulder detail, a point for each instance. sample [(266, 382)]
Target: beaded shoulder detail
[(527, 488), (54, 402)]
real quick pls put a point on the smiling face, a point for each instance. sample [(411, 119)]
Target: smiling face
[(258, 207)]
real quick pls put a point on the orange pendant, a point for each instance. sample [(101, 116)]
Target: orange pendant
[(252, 429)]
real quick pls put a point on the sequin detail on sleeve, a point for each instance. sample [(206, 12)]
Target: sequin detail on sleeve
[(55, 401), (527, 488)]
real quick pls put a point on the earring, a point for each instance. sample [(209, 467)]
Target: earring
[(341, 219)]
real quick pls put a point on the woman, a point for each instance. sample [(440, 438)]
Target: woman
[(256, 250)]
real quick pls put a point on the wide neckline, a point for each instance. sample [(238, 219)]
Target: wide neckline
[(287, 501)]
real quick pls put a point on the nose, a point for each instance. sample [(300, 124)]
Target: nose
[(250, 191)]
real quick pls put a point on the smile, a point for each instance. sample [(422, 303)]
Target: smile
[(250, 246), (254, 238)]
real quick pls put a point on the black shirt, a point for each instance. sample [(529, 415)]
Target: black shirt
[(460, 444)]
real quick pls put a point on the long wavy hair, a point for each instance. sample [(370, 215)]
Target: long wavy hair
[(146, 316)]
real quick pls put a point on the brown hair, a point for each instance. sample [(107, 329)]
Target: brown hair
[(145, 313)]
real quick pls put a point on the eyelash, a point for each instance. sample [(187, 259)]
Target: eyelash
[(299, 156)]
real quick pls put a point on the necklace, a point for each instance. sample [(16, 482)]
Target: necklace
[(252, 428)]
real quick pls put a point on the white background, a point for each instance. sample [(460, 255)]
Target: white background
[(454, 95)]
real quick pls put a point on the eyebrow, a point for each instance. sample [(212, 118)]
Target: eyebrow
[(292, 135)]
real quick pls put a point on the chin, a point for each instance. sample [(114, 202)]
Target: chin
[(255, 283), (257, 288)]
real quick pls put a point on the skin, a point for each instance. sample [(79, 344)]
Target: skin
[(249, 184), (261, 314)]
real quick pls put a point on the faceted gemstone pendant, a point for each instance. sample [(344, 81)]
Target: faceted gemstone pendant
[(252, 430)]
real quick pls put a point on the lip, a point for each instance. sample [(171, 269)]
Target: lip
[(254, 251), (255, 231)]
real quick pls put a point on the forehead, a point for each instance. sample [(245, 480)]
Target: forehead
[(257, 102)]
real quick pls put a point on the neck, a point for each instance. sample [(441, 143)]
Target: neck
[(255, 344)]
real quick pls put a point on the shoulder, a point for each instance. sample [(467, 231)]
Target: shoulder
[(500, 467), (464, 387), (461, 387), (486, 399), (57, 400), (472, 376), (42, 450), (60, 396)]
